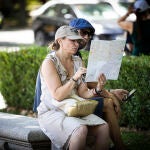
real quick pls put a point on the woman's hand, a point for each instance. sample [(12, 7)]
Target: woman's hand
[(101, 82), (79, 73)]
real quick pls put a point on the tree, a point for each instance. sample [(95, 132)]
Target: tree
[(17, 9)]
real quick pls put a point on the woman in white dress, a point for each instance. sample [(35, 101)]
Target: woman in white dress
[(61, 75)]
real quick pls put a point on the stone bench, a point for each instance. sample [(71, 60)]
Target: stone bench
[(19, 132)]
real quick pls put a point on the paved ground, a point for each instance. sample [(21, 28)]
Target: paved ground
[(24, 36), (12, 39)]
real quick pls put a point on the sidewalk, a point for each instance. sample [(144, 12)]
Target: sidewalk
[(12, 40)]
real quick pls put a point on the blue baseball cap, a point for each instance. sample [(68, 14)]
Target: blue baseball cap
[(142, 5), (80, 23)]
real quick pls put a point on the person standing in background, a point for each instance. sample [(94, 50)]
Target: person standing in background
[(129, 44), (140, 29)]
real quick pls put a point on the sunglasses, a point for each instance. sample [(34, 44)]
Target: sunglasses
[(85, 32)]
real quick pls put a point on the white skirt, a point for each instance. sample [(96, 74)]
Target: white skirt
[(59, 127)]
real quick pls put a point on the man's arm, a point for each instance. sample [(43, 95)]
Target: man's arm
[(119, 93)]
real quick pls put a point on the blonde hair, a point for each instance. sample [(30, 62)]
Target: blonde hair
[(54, 45)]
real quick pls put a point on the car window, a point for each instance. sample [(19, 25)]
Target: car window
[(97, 11), (51, 11), (66, 9)]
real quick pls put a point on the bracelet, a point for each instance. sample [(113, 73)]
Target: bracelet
[(98, 92), (74, 79)]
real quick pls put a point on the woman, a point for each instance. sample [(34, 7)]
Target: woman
[(61, 75), (140, 29)]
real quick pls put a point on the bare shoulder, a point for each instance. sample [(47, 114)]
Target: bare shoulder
[(48, 66)]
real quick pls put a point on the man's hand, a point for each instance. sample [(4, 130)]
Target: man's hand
[(119, 93)]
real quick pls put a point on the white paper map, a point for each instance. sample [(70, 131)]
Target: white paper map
[(104, 57)]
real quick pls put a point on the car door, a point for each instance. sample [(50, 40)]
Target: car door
[(50, 20)]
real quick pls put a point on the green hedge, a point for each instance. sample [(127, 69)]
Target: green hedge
[(18, 75), (135, 73), (18, 72)]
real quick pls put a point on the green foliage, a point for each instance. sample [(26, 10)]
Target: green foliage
[(18, 75), (84, 55), (32, 4), (136, 140), (19, 70), (135, 73)]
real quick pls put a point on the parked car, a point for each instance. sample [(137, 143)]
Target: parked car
[(55, 13)]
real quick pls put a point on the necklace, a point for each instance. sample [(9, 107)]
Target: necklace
[(68, 66)]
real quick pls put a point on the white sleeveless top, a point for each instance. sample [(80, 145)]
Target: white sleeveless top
[(54, 123)]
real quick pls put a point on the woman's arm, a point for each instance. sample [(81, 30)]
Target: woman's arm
[(85, 92), (53, 82)]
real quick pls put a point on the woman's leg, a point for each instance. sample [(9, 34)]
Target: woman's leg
[(78, 139), (112, 120), (101, 132)]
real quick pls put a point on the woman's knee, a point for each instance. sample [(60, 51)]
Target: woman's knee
[(104, 130), (105, 127), (78, 138), (82, 130)]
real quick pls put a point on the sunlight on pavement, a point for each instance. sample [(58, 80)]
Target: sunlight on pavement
[(2, 102), (9, 49), (20, 36)]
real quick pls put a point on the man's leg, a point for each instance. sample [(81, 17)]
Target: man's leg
[(110, 116)]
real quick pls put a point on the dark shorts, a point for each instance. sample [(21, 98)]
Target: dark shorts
[(99, 107)]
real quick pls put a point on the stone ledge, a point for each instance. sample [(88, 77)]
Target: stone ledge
[(17, 131)]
